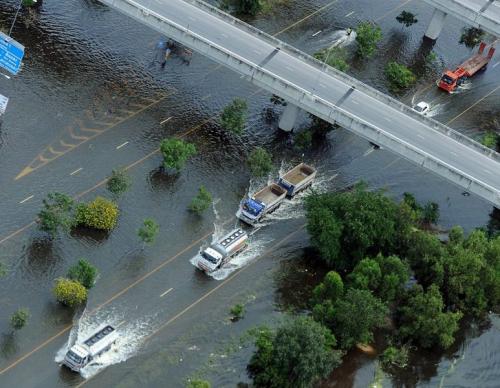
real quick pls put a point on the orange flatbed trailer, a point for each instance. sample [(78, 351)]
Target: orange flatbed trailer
[(451, 79)]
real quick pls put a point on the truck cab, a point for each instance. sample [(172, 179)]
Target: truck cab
[(76, 358), (210, 260), (252, 209), (448, 81)]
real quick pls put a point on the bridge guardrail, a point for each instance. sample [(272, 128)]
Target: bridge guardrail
[(351, 81), (300, 96)]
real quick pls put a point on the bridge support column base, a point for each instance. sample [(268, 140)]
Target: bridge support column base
[(436, 24), (289, 117)]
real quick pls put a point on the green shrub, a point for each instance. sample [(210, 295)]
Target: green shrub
[(399, 76), (176, 152), (490, 139), (367, 36), (118, 182), (69, 292), (147, 233), (57, 214), (100, 214), (19, 319), (201, 202), (197, 383), (334, 57), (395, 357), (260, 162), (84, 273), (233, 117), (237, 311), (406, 18)]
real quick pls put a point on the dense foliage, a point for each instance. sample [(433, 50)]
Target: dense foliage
[(201, 202), (244, 7), (69, 292), (148, 231), (57, 214), (234, 116), (100, 214), (399, 76), (119, 182), (84, 273), (367, 36), (349, 226), (19, 319), (176, 152), (471, 36), (197, 383), (260, 163), (334, 57), (299, 353)]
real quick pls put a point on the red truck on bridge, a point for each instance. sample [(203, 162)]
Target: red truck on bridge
[(451, 79)]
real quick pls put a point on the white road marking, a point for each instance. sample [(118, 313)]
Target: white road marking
[(27, 199), (122, 145), (420, 136), (164, 121), (257, 52), (76, 171), (487, 171), (322, 85), (289, 68), (349, 14), (453, 153), (317, 33), (495, 65), (192, 18), (387, 119), (166, 292), (354, 102)]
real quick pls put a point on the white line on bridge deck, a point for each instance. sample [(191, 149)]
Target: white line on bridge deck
[(121, 145), (27, 199), (166, 292), (76, 171), (349, 14), (420, 136)]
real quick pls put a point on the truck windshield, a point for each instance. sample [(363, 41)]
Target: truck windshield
[(74, 357), (208, 257), (447, 79)]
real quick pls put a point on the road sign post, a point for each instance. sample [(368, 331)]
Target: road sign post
[(11, 53)]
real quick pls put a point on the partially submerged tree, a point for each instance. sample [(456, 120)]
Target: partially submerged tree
[(334, 57), (70, 292), (234, 116), (471, 36), (148, 231), (119, 182), (406, 18), (84, 273), (368, 35), (57, 214), (176, 152), (260, 162), (297, 355), (101, 214), (201, 202), (19, 319), (399, 76)]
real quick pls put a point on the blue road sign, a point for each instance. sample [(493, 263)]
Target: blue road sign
[(11, 53)]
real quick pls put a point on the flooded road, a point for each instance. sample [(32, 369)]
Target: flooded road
[(91, 98)]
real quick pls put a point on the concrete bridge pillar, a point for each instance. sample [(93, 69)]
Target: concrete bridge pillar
[(288, 118), (436, 24)]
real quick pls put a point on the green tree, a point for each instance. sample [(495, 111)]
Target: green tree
[(366, 275), (260, 163), (19, 319), (84, 273), (148, 231), (29, 3), (57, 214), (395, 274), (100, 214), (201, 202), (367, 36), (347, 227), (430, 213), (69, 292), (356, 316), (234, 116), (491, 140), (406, 18), (423, 320), (334, 57), (176, 152), (197, 383), (332, 288), (247, 7), (471, 36), (303, 139), (297, 355), (399, 76), (237, 311), (395, 357), (119, 182)]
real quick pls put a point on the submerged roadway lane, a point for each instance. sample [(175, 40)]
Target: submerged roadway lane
[(469, 162)]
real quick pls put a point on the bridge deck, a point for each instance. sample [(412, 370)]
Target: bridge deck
[(374, 111)]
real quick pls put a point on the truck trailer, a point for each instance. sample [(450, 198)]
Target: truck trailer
[(450, 80), (81, 354), (220, 252)]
